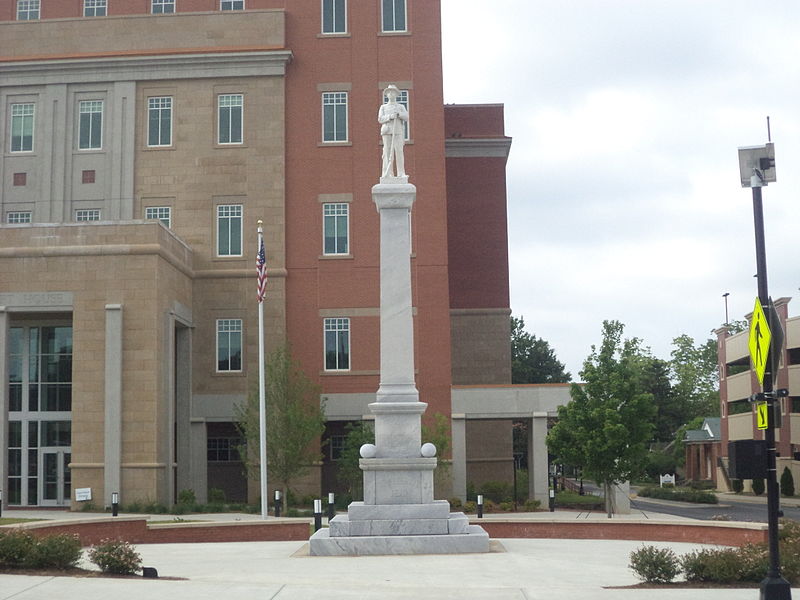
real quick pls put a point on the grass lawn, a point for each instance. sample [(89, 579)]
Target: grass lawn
[(5, 521)]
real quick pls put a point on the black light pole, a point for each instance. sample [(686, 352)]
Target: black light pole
[(774, 586)]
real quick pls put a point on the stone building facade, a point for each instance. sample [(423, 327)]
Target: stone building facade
[(141, 142)]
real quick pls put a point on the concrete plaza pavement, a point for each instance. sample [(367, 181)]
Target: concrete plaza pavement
[(524, 569)]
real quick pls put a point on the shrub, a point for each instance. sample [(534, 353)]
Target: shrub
[(187, 497), (679, 494), (654, 565), (506, 506), (787, 482), (455, 502), (61, 551), (117, 557), (532, 505), (471, 493), (497, 491), (16, 547), (758, 486), (737, 485), (470, 507), (659, 463), (216, 496), (701, 484), (89, 507), (711, 565)]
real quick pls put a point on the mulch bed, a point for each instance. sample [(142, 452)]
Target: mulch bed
[(78, 572), (686, 585)]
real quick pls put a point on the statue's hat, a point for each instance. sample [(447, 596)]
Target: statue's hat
[(391, 89)]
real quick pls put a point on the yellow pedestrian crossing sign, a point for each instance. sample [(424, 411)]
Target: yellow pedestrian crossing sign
[(762, 417), (760, 337)]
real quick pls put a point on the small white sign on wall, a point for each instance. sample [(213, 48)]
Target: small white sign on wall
[(83, 494)]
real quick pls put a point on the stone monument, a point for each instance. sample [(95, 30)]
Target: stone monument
[(398, 514)]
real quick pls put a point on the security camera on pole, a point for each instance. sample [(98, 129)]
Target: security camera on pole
[(757, 168)]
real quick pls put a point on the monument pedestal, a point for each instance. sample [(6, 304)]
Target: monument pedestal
[(398, 514)]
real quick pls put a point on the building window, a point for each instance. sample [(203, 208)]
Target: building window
[(162, 7), (402, 99), (159, 121), (19, 217), (231, 5), (229, 230), (159, 213), (223, 449), (27, 10), (94, 8), (337, 344), (335, 224), (88, 176), (336, 445), (20, 179), (22, 116), (229, 345), (334, 16), (334, 117), (89, 214), (90, 125), (394, 15), (230, 118)]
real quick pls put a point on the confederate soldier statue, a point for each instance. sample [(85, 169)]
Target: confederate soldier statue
[(392, 117)]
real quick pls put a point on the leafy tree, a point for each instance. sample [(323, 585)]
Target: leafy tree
[(606, 427), (655, 379), (438, 434), (295, 420), (532, 358), (787, 483), (695, 374), (679, 448), (348, 472)]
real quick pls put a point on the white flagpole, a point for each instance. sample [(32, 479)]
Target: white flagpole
[(262, 404)]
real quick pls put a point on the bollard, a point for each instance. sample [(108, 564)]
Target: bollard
[(277, 503), (317, 515), (480, 506), (114, 504), (552, 500), (1, 502), (331, 506)]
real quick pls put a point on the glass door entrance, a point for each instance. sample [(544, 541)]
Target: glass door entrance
[(55, 478)]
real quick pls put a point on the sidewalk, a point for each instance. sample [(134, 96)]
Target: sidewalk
[(520, 569)]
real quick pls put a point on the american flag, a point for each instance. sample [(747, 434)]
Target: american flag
[(261, 268)]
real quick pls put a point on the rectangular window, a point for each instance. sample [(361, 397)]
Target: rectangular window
[(27, 10), (22, 116), (337, 344), (159, 121), (229, 345), (89, 214), (94, 8), (90, 125), (231, 5), (334, 117), (334, 16), (19, 217), (336, 446), (159, 213), (230, 118), (394, 15), (335, 225), (402, 99), (223, 449), (229, 230), (163, 7)]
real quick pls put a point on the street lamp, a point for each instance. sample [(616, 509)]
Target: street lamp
[(757, 169)]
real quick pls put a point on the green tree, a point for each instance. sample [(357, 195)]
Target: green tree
[(532, 358), (438, 434), (695, 375), (606, 427), (655, 379), (295, 421), (348, 473)]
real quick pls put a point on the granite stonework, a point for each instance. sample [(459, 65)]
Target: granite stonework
[(398, 514)]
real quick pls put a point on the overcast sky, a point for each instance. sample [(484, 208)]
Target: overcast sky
[(624, 199)]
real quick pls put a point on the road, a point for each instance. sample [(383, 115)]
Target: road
[(735, 511)]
